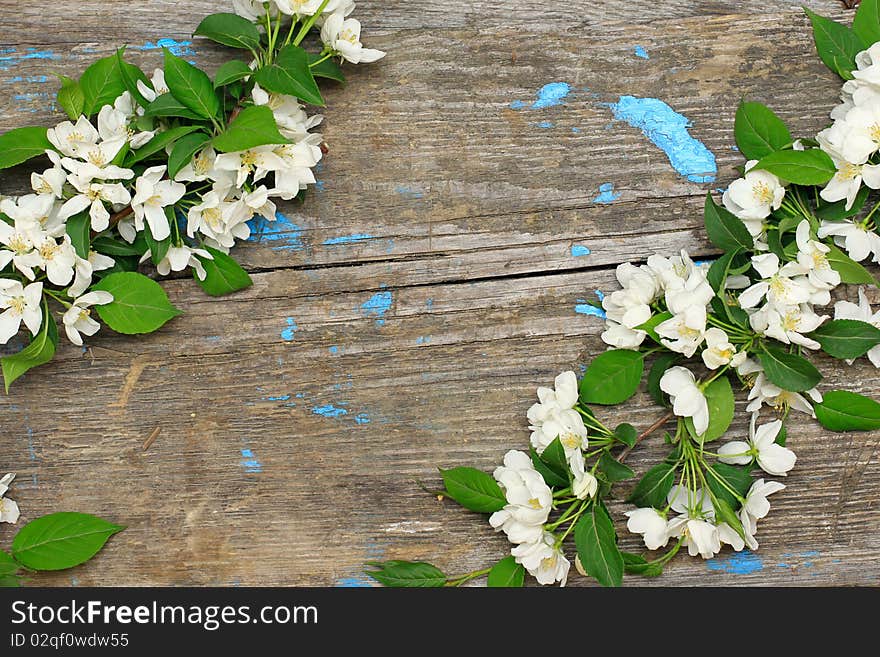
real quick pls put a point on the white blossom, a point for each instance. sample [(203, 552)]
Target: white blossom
[(78, 317), (719, 351), (788, 323), (764, 392), (179, 258), (19, 305), (856, 237), (684, 332), (651, 524), (543, 559), (687, 398), (861, 312), (781, 286), (529, 499), (9, 511), (153, 195), (343, 36), (754, 196)]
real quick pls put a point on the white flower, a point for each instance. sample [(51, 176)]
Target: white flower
[(754, 196), (18, 241), (554, 417), (217, 219), (861, 312), (201, 168), (651, 524), (529, 499), (73, 139), (764, 392), (687, 398), (179, 258), (78, 318), (772, 458), (93, 195), (719, 351), (259, 161), (292, 120), (756, 507), (788, 323), (343, 36), (777, 285), (295, 172), (694, 524), (684, 283), (812, 260), (862, 138), (8, 508), (849, 177), (631, 306), (683, 333), (34, 213), (544, 561), (156, 88), (305, 7), (152, 196), (58, 259), (253, 10), (618, 335), (113, 124), (585, 485), (854, 236), (19, 304), (51, 181), (84, 268)]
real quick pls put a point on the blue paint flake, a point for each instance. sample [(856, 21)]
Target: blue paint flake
[(290, 332), (283, 231), (334, 349), (579, 250), (348, 239), (584, 308), (278, 398), (517, 104), (320, 185), (551, 94), (177, 48), (354, 582), (423, 339), (410, 192), (641, 52), (377, 305), (30, 78), (739, 563), (545, 124), (362, 418), (329, 411), (576, 131), (606, 194), (668, 130), (9, 57), (250, 462)]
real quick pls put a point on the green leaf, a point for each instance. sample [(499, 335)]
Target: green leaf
[(841, 410), (553, 457), (811, 167), (39, 352), (719, 270), (725, 230), (327, 69), (101, 84), (61, 540), (167, 105), (758, 131), (719, 396), (158, 143), (846, 338), (837, 210), (650, 327), (79, 228), (866, 23), (627, 434), (850, 271), (8, 565), (114, 247), (158, 248), (139, 304), (597, 549), (722, 476), (635, 564), (653, 488), (230, 30), (10, 581), (191, 86), (71, 98), (184, 150), (224, 274), (507, 573), (473, 489), (836, 44), (231, 71), (254, 126), (22, 144), (612, 377), (789, 371), (613, 469), (290, 74), (407, 574), (658, 369), (131, 74), (551, 477)]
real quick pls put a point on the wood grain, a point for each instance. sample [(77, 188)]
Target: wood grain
[(402, 317)]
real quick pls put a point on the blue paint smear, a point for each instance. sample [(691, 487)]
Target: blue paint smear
[(517, 104), (641, 52), (329, 410), (362, 418), (348, 239), (551, 94), (278, 398), (668, 130), (353, 582), (429, 303), (584, 308), (423, 339), (30, 78), (600, 294), (9, 59), (739, 563), (250, 462), (576, 131), (410, 192), (213, 338), (606, 194), (282, 230), (320, 185), (178, 48), (579, 250), (546, 124), (376, 306), (289, 333), (334, 349)]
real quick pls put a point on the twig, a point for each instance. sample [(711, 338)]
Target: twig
[(647, 432), (149, 442)]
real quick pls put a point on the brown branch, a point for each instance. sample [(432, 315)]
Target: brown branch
[(647, 432), (155, 434)]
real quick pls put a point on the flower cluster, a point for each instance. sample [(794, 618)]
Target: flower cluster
[(8, 508), (168, 169), (791, 233)]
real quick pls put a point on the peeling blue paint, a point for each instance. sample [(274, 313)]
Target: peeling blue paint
[(250, 462), (348, 239), (177, 48), (606, 194), (410, 192), (579, 250), (423, 339), (429, 303), (739, 563), (362, 418), (334, 349), (282, 230), (30, 78), (354, 582), (546, 124), (576, 131), (600, 294), (584, 308), (278, 398), (517, 104), (329, 411), (213, 338), (551, 94), (290, 332), (668, 130), (641, 52), (377, 305), (9, 57)]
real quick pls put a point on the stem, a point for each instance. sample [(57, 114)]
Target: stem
[(323, 59), (574, 520), (309, 23), (57, 297), (647, 432), (564, 516), (458, 581)]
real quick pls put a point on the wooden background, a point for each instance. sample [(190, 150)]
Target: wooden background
[(403, 316)]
